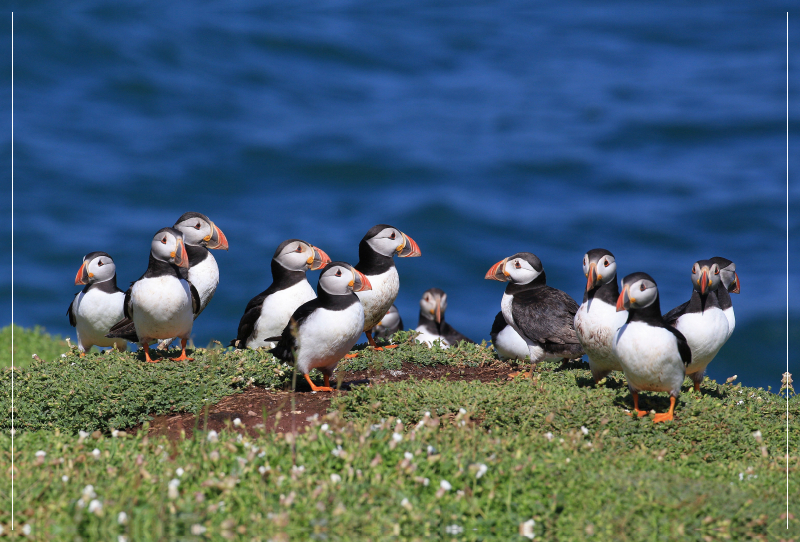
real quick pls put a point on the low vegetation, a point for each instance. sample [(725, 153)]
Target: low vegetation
[(552, 457)]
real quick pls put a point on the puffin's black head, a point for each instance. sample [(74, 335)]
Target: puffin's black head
[(599, 267), (297, 255), (639, 291), (167, 246), (705, 276), (198, 230), (341, 278), (521, 268), (388, 241), (96, 267), (433, 304), (728, 273)]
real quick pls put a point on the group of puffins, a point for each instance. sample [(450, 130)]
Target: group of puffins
[(618, 331)]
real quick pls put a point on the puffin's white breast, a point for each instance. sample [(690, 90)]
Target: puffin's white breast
[(509, 345), (162, 308), (276, 310), (705, 332), (95, 312), (649, 357), (205, 278), (731, 320), (379, 299), (326, 336), (596, 323), (427, 337)]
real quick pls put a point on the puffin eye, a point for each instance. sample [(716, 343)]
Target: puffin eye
[(392, 236), (338, 272), (299, 249), (517, 265), (99, 263), (607, 263), (642, 288), (164, 240), (197, 226), (716, 271), (694, 268)]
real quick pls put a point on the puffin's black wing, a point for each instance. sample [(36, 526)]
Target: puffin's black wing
[(545, 315), (124, 329), (683, 346), (248, 321), (672, 316), (284, 350), (126, 305), (197, 304), (452, 336), (498, 325), (72, 321)]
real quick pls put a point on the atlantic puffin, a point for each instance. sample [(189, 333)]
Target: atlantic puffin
[(653, 354), (701, 319), (267, 314), (161, 303), (323, 330), (543, 316), (99, 305), (506, 341), (390, 324), (375, 252), (597, 319), (730, 283), (432, 326)]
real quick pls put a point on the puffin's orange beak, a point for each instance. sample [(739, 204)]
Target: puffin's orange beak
[(438, 311), (179, 256), (735, 284), (623, 301), (704, 282), (217, 238), (360, 282), (591, 276), (318, 260), (498, 271), (409, 248), (83, 276)]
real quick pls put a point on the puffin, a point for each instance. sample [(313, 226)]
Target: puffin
[(161, 303), (543, 316), (375, 252), (730, 285), (99, 305), (267, 314), (321, 331), (390, 324), (199, 235), (701, 320), (507, 342), (597, 319), (432, 326), (653, 354)]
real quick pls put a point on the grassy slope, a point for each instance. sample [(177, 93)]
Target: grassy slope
[(28, 342), (704, 476)]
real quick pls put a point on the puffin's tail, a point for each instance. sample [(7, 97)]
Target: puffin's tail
[(124, 329)]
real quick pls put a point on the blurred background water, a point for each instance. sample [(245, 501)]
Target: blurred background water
[(655, 131)]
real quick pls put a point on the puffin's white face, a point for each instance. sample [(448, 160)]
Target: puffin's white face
[(605, 269), (96, 269), (168, 247), (300, 256), (391, 241), (638, 295), (199, 231), (705, 276), (519, 271), (340, 279), (433, 304)]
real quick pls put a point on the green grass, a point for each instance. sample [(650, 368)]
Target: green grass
[(28, 342), (556, 450)]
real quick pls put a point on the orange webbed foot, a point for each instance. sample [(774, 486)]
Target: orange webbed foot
[(391, 346), (182, 357), (639, 413), (351, 356), (664, 417)]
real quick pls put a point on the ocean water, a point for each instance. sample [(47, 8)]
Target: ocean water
[(657, 132)]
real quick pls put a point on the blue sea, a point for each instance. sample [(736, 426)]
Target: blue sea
[(657, 131)]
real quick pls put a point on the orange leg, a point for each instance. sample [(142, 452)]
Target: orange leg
[(314, 387), (83, 354), (639, 413), (146, 349), (373, 344), (182, 357), (667, 416), (697, 386)]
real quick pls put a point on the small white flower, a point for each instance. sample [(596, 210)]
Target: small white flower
[(757, 435), (179, 471), (425, 482), (428, 413), (481, 470), (80, 503), (122, 537), (63, 355), (526, 529), (65, 478), (408, 455), (96, 453), (41, 453), (237, 422), (95, 507), (300, 470), (262, 470), (26, 529), (568, 460), (462, 411), (214, 455), (115, 433), (83, 434), (431, 450), (740, 402), (172, 490), (335, 478), (88, 492), (741, 476), (397, 437), (324, 427), (548, 436), (584, 430), (405, 504), (198, 529), (122, 518), (454, 529), (212, 436), (444, 484), (337, 451)]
